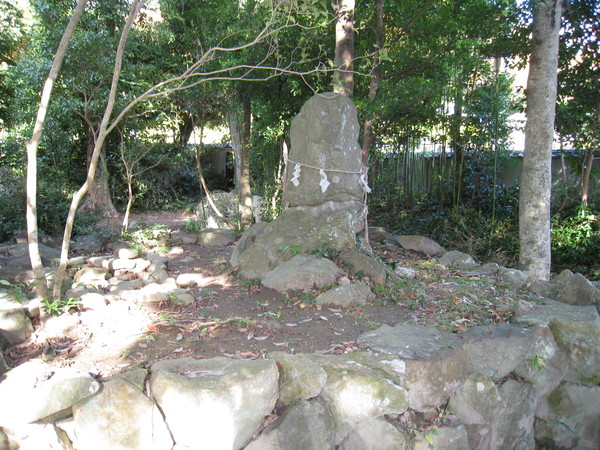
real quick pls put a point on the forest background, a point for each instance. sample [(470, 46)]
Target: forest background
[(431, 80)]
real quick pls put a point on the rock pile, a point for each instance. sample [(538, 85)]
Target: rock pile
[(500, 386)]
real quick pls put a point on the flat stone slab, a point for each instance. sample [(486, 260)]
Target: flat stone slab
[(410, 341), (419, 244)]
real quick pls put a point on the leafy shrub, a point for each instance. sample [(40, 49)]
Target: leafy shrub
[(576, 241)]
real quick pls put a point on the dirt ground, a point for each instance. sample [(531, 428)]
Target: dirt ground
[(240, 319)]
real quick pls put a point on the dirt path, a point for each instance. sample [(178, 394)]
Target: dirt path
[(236, 318)]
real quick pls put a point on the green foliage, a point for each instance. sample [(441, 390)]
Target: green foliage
[(61, 306), (147, 237), (293, 250), (576, 240), (14, 289), (537, 362), (192, 226)]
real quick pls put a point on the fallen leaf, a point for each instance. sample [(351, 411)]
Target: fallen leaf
[(179, 337), (324, 318), (289, 324), (260, 338), (178, 350)]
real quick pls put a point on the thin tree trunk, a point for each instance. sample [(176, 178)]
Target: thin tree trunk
[(343, 77), (41, 289), (101, 137), (368, 135), (245, 192), (536, 178), (588, 162), (236, 144)]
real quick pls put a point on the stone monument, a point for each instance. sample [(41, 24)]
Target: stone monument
[(324, 190)]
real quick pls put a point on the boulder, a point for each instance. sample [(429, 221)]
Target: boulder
[(299, 377), (478, 404), (346, 296), (15, 326), (186, 280), (355, 392), (361, 264), (120, 416), (182, 237), (576, 330), (419, 244), (324, 189), (435, 362), (325, 160), (495, 350), (127, 253), (512, 277), (212, 237), (302, 273), (458, 260), (514, 426), (34, 391), (304, 425), (405, 272), (548, 365), (92, 276), (374, 434), (571, 418), (327, 229), (378, 234), (214, 403), (22, 250), (578, 290), (91, 243)]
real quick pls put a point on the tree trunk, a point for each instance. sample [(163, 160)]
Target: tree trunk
[(368, 135), (41, 289), (588, 162), (186, 128), (343, 78), (245, 192), (98, 200), (536, 177), (456, 139), (236, 144), (99, 143)]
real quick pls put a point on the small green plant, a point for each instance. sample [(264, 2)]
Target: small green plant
[(250, 284), (294, 250), (60, 306), (14, 289), (537, 362), (192, 226)]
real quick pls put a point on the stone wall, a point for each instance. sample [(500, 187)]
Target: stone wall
[(500, 386)]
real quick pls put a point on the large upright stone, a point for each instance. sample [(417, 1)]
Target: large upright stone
[(324, 189), (325, 159)]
